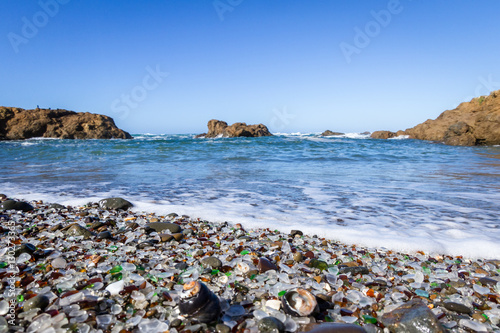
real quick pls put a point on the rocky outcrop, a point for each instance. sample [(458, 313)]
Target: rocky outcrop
[(472, 123), (386, 134), (330, 133), (218, 128), (19, 124)]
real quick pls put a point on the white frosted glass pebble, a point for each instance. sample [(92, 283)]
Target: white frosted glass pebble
[(59, 263), (481, 290), (116, 287)]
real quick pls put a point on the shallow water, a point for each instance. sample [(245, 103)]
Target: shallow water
[(399, 194)]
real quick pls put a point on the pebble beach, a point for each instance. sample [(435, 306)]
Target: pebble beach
[(103, 268)]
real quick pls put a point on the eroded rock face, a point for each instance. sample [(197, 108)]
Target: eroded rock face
[(220, 128), (472, 123), (19, 124)]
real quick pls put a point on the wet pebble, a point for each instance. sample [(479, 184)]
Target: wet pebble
[(294, 233), (77, 230), (115, 203), (16, 205), (297, 256), (37, 302), (211, 262), (265, 265), (221, 328), (162, 226), (457, 307), (25, 248), (270, 324), (412, 317), (104, 235), (354, 270)]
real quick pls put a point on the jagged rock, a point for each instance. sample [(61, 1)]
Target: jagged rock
[(19, 124), (472, 123), (218, 128), (330, 133)]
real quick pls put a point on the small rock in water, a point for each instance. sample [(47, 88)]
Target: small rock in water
[(412, 317), (294, 233), (270, 324), (115, 203)]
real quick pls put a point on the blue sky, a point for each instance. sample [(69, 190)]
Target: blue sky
[(170, 66)]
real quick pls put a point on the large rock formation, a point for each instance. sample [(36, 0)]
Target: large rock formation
[(217, 128), (18, 124), (472, 123)]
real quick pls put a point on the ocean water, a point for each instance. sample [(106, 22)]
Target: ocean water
[(401, 194)]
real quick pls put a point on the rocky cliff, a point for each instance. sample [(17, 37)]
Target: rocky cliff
[(472, 123), (220, 128), (19, 124)]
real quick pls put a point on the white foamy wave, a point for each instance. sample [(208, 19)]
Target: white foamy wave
[(366, 220), (400, 137), (356, 135), (295, 134)]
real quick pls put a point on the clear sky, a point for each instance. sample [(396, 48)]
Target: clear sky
[(170, 66)]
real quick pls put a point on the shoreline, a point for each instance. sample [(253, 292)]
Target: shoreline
[(369, 235), (89, 265)]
